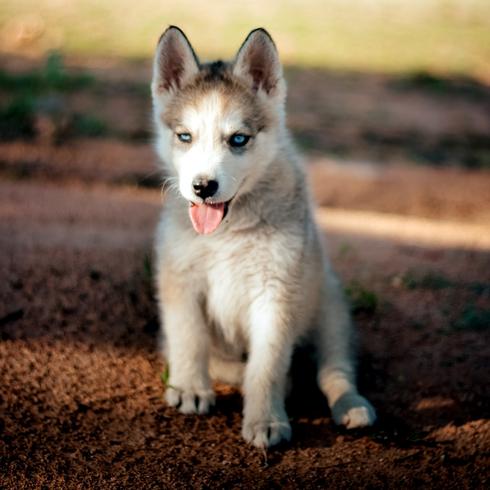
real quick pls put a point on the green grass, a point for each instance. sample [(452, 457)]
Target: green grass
[(362, 300), (38, 91), (472, 318), (89, 126), (345, 249), (148, 268), (428, 280), (17, 118), (51, 77), (435, 36), (165, 376), (437, 85)]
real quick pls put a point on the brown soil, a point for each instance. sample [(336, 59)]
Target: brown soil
[(81, 396)]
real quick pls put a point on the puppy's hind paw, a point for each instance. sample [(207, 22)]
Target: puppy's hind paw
[(353, 411), (190, 401)]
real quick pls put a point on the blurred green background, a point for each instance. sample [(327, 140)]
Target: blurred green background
[(440, 36)]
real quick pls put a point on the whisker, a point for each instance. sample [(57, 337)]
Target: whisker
[(170, 183)]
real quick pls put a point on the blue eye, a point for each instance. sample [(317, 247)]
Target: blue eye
[(184, 137), (238, 140)]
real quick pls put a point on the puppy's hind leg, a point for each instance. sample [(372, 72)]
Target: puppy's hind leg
[(336, 369), (226, 371)]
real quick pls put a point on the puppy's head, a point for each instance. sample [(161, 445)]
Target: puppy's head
[(218, 124)]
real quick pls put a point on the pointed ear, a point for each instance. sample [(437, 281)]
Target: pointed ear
[(175, 62), (257, 62)]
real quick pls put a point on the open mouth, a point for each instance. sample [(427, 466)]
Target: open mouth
[(206, 217)]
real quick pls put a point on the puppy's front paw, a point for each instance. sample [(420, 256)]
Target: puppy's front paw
[(190, 400), (266, 433), (353, 411)]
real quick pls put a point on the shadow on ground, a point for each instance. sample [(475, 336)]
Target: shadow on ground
[(418, 117)]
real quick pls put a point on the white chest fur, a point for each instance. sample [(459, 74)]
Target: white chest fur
[(243, 272), (234, 277)]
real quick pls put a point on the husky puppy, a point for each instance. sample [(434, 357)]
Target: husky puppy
[(242, 277)]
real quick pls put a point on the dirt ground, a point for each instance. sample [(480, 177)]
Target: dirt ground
[(81, 395)]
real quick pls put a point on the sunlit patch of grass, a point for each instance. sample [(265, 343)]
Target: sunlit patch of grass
[(436, 36)]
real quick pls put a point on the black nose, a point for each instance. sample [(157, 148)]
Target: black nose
[(204, 188)]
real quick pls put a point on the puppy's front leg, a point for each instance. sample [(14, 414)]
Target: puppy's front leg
[(265, 421), (336, 373), (187, 351)]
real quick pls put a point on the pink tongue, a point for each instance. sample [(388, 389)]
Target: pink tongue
[(206, 217)]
